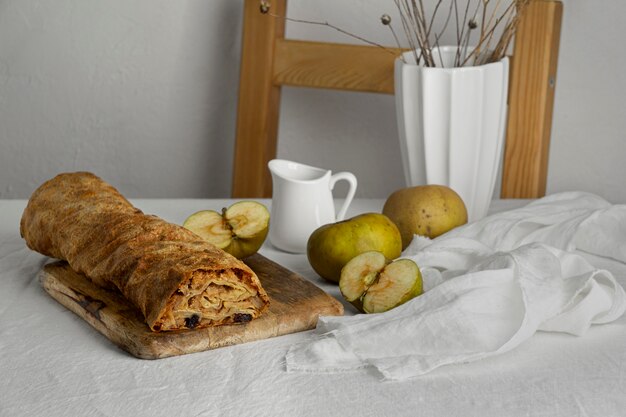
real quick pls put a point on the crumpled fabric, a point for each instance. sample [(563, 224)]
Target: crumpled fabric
[(489, 286)]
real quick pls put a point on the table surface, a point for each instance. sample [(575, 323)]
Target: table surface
[(53, 363)]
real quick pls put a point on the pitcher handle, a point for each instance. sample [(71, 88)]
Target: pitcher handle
[(352, 181)]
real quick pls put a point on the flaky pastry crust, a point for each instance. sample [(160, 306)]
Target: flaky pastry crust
[(171, 275)]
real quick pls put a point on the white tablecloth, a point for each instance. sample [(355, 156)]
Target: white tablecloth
[(52, 363)]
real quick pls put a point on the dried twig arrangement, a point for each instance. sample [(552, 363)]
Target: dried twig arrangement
[(481, 17), (484, 28)]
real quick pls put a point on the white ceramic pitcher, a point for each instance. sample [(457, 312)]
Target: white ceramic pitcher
[(302, 201)]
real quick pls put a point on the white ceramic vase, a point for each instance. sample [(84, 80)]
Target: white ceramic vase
[(451, 123)]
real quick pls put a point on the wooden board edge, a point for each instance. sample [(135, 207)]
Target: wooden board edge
[(77, 303), (145, 344)]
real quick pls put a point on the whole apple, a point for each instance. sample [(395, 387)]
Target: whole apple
[(425, 210)]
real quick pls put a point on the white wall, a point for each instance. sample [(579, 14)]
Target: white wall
[(589, 131), (141, 92), (144, 94)]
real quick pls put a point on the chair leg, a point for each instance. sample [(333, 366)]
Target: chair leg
[(259, 101), (531, 100)]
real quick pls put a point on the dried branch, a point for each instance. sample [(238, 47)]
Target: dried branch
[(483, 21), (265, 9)]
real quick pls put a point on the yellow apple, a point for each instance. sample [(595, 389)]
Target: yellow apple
[(426, 210)]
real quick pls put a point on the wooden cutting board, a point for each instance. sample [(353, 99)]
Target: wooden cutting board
[(295, 306)]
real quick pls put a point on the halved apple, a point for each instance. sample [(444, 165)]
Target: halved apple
[(373, 284), (240, 229)]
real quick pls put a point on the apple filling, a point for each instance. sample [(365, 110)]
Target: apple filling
[(211, 298)]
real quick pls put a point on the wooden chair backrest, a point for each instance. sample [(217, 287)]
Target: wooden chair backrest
[(270, 61)]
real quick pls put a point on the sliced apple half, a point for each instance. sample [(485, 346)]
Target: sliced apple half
[(373, 284), (240, 229), (210, 226)]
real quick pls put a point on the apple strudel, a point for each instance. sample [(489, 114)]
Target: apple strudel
[(176, 280)]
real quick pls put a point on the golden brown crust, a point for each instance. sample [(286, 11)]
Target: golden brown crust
[(85, 221)]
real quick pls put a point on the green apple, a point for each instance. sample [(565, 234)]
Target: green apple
[(240, 229), (373, 284), (426, 210), (332, 246)]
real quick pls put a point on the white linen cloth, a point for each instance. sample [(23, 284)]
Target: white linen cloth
[(490, 285)]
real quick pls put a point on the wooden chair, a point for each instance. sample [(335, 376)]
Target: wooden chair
[(270, 61)]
